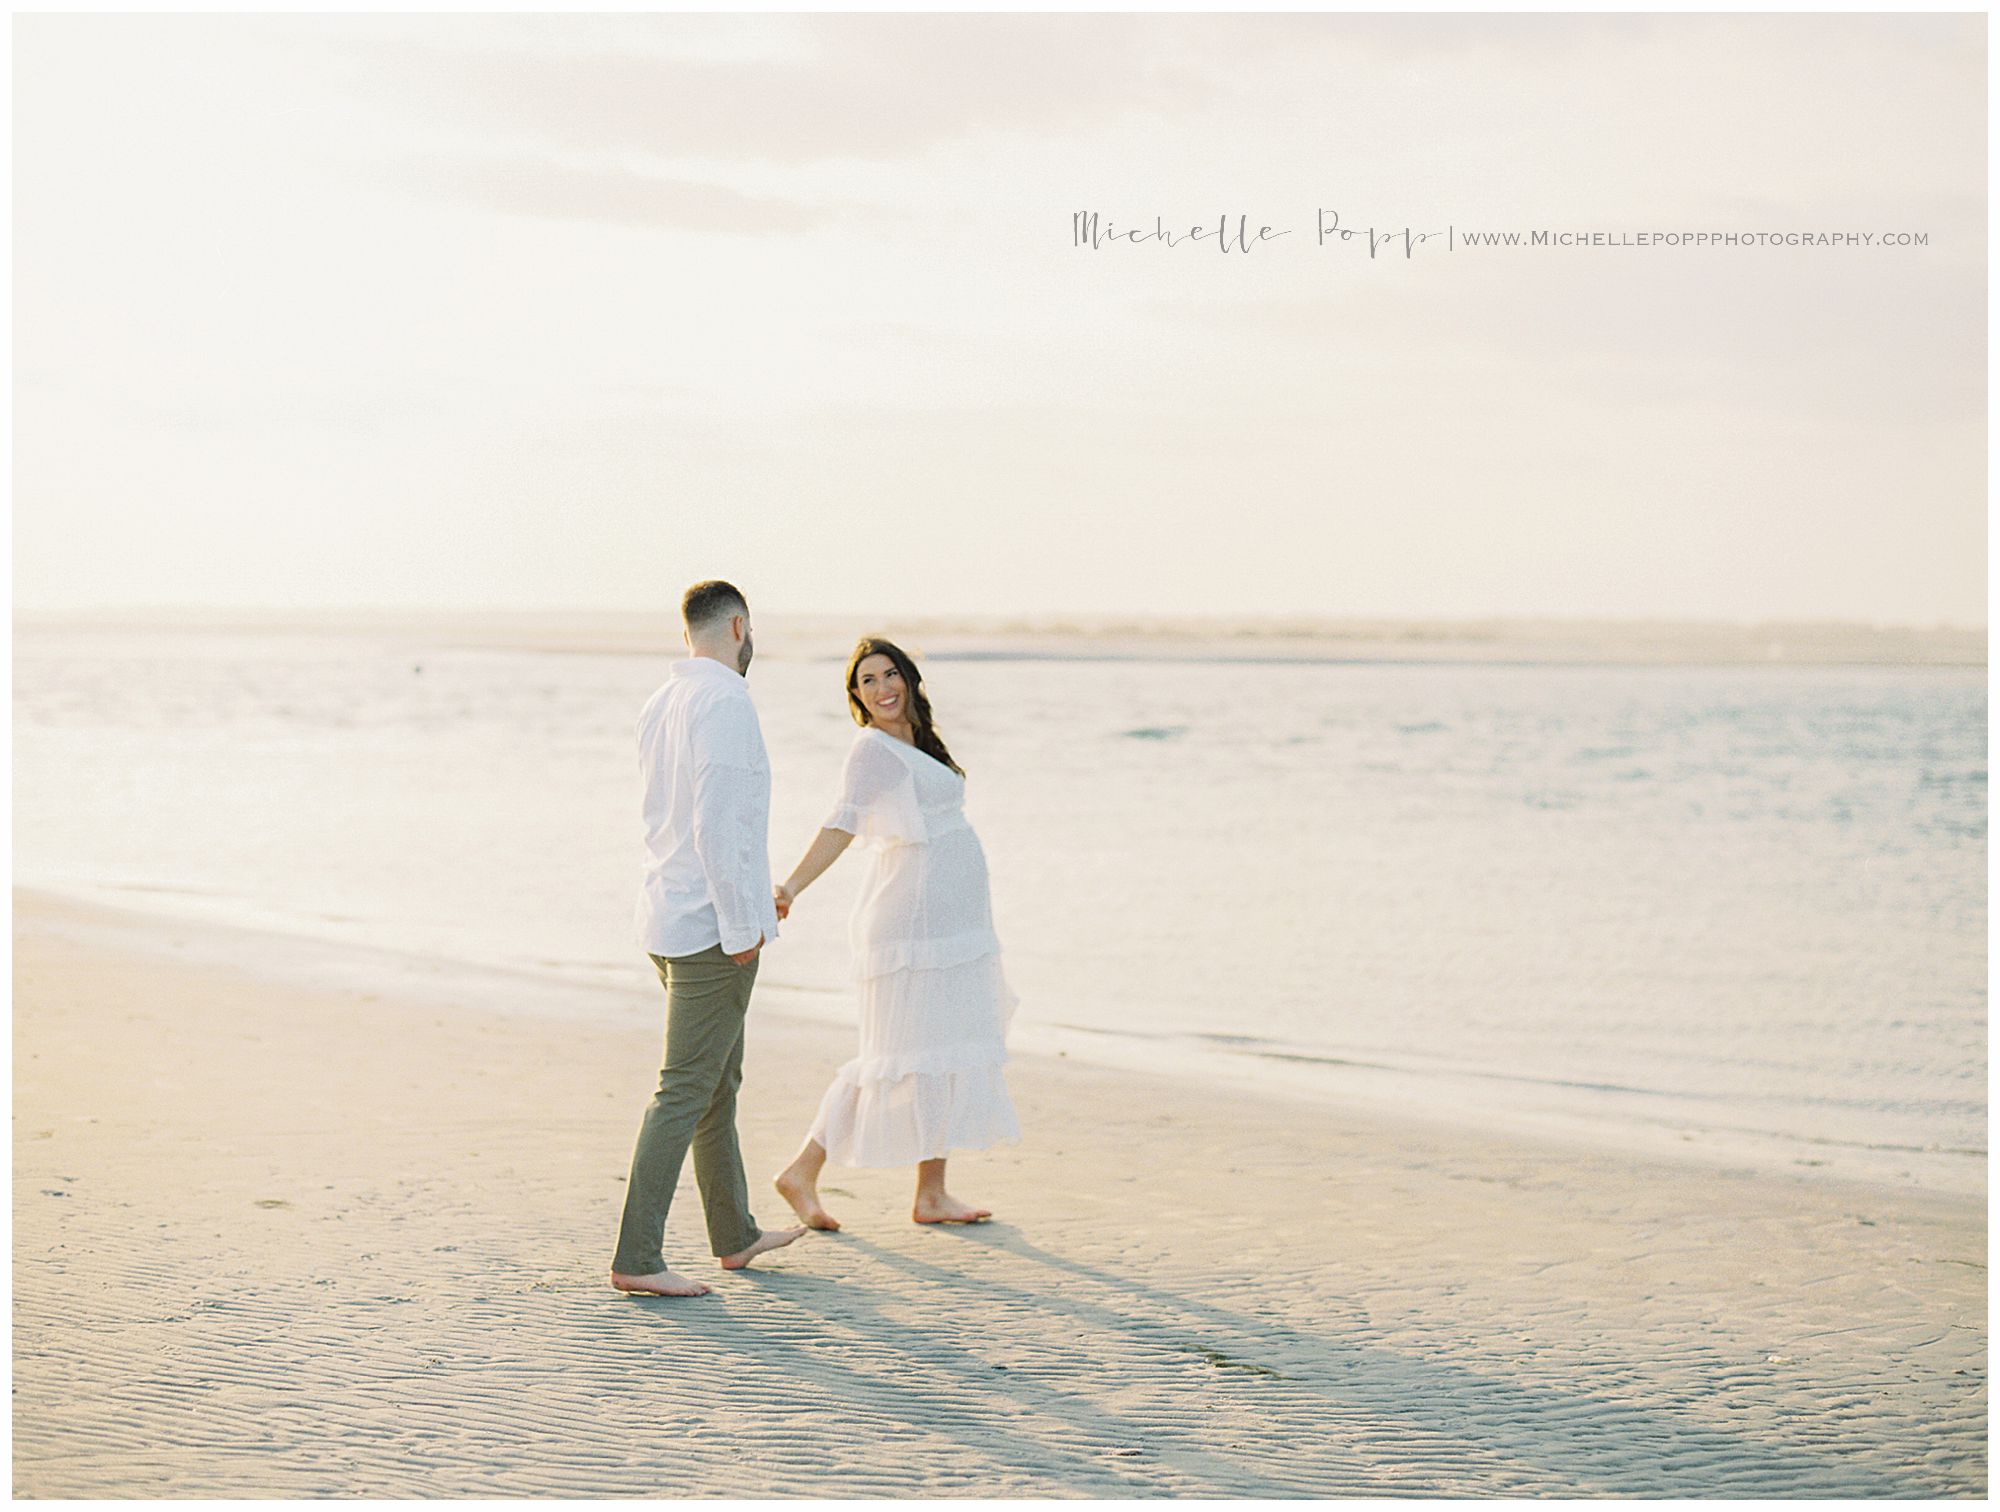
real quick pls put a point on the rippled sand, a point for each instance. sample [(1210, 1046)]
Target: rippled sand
[(281, 1241)]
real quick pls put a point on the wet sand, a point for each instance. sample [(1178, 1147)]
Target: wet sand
[(278, 1239)]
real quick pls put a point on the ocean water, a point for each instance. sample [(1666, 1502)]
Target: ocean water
[(1735, 909)]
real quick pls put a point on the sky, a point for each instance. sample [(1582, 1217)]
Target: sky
[(564, 312)]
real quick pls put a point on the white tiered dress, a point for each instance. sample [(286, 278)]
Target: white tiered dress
[(934, 1003)]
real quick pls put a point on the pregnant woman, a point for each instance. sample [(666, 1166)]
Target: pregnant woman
[(934, 1004)]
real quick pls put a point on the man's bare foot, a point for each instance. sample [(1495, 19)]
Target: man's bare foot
[(945, 1208), (660, 1284), (802, 1192), (770, 1239)]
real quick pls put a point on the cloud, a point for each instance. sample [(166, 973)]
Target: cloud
[(616, 195), (853, 87)]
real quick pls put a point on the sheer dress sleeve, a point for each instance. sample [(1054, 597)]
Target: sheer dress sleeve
[(878, 796)]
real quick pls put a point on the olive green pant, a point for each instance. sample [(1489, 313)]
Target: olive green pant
[(708, 996)]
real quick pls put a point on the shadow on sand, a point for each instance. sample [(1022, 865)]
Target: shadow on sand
[(1330, 1416)]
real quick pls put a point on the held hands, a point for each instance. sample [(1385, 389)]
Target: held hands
[(781, 898)]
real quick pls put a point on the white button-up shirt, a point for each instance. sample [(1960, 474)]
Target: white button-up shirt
[(707, 813)]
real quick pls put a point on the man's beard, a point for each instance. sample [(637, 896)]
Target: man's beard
[(743, 654)]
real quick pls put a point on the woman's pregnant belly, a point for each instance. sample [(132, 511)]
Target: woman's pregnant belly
[(932, 899)]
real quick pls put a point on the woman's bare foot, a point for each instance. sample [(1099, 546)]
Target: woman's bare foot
[(799, 1188), (942, 1207), (770, 1239), (660, 1284)]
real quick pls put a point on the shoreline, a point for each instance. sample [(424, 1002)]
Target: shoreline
[(357, 1236), (1454, 1102), (1475, 641)]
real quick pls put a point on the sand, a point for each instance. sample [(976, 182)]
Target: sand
[(279, 1239)]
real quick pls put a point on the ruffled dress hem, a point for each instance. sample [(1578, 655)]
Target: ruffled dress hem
[(869, 1118)]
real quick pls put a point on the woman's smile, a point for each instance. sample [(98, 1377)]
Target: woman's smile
[(880, 685)]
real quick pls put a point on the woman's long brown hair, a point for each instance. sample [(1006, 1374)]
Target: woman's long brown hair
[(921, 724)]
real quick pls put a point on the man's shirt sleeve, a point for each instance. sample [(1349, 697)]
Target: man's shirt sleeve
[(725, 769)]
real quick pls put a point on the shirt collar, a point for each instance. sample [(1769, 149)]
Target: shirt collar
[(703, 666)]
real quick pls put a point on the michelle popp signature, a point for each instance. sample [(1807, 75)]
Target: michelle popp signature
[(1235, 235)]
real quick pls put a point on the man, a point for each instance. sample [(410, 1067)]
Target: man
[(705, 910)]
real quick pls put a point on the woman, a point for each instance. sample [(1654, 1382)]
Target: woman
[(934, 1005)]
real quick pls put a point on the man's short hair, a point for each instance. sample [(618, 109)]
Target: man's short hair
[(710, 603)]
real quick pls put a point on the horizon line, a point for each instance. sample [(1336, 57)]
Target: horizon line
[(1017, 621)]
